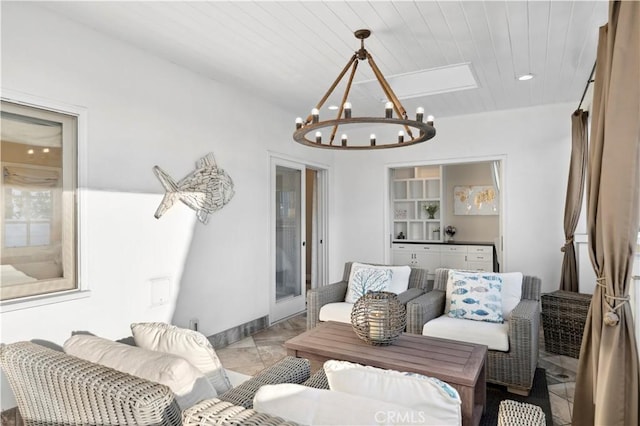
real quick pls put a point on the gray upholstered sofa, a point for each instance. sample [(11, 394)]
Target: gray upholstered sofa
[(336, 292), (52, 387), (514, 368)]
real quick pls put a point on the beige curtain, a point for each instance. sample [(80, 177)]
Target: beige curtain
[(607, 381), (573, 202)]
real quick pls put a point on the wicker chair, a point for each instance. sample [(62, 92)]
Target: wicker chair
[(515, 368), (52, 387), (336, 292)]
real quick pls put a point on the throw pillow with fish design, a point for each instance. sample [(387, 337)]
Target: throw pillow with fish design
[(475, 296)]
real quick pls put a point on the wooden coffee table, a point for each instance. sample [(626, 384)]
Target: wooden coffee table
[(460, 364)]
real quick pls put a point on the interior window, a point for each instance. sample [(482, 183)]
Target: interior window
[(37, 224)]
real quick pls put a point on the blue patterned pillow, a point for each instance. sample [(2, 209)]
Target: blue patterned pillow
[(363, 280), (475, 296)]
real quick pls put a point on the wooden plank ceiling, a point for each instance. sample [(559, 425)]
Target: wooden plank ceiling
[(290, 52)]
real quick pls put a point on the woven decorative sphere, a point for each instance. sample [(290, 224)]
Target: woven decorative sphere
[(378, 318)]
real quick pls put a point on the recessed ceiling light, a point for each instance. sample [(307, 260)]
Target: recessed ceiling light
[(525, 77), (333, 107)]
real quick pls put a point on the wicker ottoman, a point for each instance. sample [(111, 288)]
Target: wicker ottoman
[(514, 413), (564, 314)]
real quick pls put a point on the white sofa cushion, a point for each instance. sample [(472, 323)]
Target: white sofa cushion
[(340, 311), (187, 383), (494, 335), (415, 391), (188, 344), (310, 406), (365, 278), (475, 296)]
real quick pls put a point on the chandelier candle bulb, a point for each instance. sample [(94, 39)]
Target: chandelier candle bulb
[(388, 110), (419, 114), (298, 122), (318, 137), (430, 119), (373, 139), (400, 136), (347, 110), (315, 115), (344, 139)]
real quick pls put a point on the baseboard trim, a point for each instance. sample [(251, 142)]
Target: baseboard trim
[(239, 332)]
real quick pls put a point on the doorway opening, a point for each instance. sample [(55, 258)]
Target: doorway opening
[(298, 235), (460, 202)]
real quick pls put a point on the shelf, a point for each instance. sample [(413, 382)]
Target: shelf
[(413, 188)]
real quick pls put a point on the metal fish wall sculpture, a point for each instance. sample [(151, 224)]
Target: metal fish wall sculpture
[(207, 189)]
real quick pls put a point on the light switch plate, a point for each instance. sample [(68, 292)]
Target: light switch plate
[(160, 291)]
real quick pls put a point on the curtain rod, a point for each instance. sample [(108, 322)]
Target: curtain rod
[(586, 87)]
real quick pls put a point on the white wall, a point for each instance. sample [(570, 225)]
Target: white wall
[(144, 111), (535, 143)]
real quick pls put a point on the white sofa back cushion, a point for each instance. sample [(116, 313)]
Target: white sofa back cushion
[(188, 344), (511, 292), (187, 383), (310, 406), (415, 391)]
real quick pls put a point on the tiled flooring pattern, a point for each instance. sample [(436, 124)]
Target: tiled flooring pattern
[(264, 348)]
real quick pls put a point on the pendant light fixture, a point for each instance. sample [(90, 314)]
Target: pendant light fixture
[(309, 131)]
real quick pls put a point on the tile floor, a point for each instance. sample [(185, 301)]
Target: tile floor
[(264, 348)]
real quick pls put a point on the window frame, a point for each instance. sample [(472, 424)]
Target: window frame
[(74, 228)]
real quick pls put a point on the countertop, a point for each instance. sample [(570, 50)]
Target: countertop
[(456, 242)]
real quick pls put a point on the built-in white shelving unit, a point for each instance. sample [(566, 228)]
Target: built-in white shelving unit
[(414, 188)]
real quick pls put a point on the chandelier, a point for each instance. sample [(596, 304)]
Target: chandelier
[(411, 131)]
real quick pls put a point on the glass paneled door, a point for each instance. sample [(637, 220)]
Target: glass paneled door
[(288, 223)]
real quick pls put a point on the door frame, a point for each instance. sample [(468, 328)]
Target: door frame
[(322, 215), (388, 240), (277, 159)]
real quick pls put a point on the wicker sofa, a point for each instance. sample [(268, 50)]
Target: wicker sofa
[(52, 387), (336, 292), (514, 368)]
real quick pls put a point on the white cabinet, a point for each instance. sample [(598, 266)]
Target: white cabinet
[(413, 190), (454, 256), (480, 258), (423, 256)]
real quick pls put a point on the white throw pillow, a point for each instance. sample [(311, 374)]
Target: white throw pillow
[(415, 391), (364, 279), (310, 406), (475, 296), (399, 276), (188, 344), (186, 381)]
